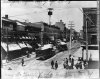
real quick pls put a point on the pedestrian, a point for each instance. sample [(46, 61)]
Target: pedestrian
[(22, 62), (70, 58), (27, 54), (72, 63), (64, 64), (69, 64), (52, 64), (77, 65), (56, 65), (66, 61), (80, 65)]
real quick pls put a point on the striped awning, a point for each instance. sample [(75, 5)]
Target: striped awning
[(11, 47)]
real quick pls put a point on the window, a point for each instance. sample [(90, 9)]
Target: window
[(93, 39)]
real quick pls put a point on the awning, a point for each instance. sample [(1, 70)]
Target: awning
[(18, 23), (11, 47), (29, 46), (63, 43), (22, 45), (47, 46)]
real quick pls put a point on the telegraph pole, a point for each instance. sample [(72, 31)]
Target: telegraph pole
[(71, 25), (42, 30), (86, 40)]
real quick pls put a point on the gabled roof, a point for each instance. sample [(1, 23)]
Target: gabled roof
[(9, 20)]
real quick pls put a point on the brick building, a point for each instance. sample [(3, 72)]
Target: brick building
[(62, 27)]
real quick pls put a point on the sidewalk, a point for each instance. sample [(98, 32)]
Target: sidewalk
[(18, 60)]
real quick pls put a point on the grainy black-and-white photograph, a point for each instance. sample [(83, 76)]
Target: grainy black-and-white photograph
[(50, 39)]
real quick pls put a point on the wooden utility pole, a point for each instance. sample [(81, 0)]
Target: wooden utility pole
[(42, 30), (71, 25), (86, 40)]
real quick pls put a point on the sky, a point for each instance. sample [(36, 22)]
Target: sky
[(38, 11)]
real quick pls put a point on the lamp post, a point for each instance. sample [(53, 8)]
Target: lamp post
[(50, 13), (70, 25)]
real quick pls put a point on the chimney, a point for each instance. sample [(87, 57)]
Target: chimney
[(6, 16), (60, 20)]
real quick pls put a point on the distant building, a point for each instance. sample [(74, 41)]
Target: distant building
[(81, 34), (62, 27), (60, 24)]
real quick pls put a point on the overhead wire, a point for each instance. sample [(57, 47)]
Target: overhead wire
[(87, 16)]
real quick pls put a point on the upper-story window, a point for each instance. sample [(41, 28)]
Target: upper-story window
[(93, 17)]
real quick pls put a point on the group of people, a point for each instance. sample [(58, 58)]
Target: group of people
[(68, 63), (54, 65), (81, 64)]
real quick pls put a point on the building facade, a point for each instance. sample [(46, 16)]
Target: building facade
[(90, 15), (62, 27), (90, 26)]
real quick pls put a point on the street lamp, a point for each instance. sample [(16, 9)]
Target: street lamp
[(50, 13)]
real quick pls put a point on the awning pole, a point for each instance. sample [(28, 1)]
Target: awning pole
[(7, 46)]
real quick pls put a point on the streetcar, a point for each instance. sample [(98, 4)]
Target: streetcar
[(62, 46), (45, 52)]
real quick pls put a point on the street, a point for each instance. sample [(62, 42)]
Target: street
[(42, 69), (48, 39)]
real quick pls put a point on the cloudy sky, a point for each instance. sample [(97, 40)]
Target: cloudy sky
[(36, 12)]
